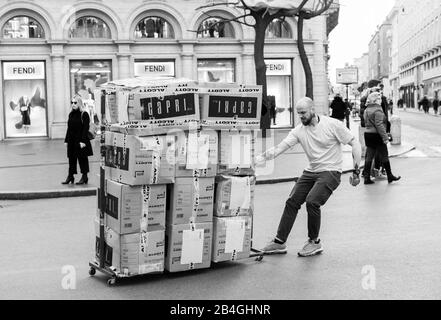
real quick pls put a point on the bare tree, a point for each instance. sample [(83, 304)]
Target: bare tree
[(262, 18)]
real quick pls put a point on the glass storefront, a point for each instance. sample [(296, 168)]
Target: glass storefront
[(89, 27), (85, 77), (22, 27), (154, 27), (279, 87), (24, 99), (154, 69), (216, 70), (215, 28)]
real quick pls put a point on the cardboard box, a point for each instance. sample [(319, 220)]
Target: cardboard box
[(190, 198), (236, 152), (196, 153), (188, 248), (231, 238), (135, 253), (126, 205), (234, 196), (145, 106), (137, 160), (230, 106)]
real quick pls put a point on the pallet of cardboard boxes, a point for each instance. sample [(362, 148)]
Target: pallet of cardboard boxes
[(178, 163)]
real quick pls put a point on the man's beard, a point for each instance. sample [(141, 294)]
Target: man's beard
[(308, 121)]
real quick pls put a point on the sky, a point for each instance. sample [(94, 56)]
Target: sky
[(357, 23)]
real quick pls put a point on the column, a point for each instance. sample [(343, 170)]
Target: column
[(59, 104), (124, 66), (187, 56)]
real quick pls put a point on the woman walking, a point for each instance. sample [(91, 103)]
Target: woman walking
[(77, 141), (376, 138)]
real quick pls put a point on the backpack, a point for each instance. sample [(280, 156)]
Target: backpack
[(91, 134)]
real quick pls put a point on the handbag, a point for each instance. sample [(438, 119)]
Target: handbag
[(91, 134)]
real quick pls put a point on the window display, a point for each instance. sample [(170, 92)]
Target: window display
[(216, 70), (215, 28), (279, 88), (24, 97), (85, 77), (89, 27), (22, 27), (278, 29), (154, 27)]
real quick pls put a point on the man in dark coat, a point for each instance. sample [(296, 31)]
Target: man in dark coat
[(435, 104), (338, 108), (425, 104)]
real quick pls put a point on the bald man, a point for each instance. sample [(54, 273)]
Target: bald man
[(321, 138)]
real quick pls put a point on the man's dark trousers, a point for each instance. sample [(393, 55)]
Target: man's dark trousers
[(315, 189)]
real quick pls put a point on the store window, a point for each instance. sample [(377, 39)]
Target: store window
[(89, 27), (154, 27), (24, 99), (85, 78), (216, 70), (22, 27), (215, 28), (278, 29), (279, 90), (154, 68)]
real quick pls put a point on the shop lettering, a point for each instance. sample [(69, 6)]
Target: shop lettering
[(249, 90), (218, 90), (29, 70), (275, 67), (187, 90), (167, 107), (232, 107), (154, 68)]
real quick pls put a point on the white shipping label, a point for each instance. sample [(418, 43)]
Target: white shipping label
[(235, 235), (150, 267), (240, 197), (122, 102), (197, 151), (240, 151), (192, 246)]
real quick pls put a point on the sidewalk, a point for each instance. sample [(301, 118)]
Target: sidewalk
[(35, 168)]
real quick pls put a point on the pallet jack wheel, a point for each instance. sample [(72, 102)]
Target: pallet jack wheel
[(92, 271), (111, 281)]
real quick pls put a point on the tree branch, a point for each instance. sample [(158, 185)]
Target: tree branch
[(219, 4), (222, 20), (325, 5)]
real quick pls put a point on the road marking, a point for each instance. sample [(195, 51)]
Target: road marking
[(415, 154)]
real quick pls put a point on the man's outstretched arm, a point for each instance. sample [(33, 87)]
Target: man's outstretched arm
[(273, 152), (356, 152)]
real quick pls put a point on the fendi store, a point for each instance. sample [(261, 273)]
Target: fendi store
[(50, 51)]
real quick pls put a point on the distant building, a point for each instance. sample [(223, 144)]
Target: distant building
[(419, 57)]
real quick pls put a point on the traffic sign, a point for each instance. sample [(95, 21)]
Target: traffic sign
[(347, 75)]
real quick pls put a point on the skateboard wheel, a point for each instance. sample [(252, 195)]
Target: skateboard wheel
[(111, 281), (92, 271)]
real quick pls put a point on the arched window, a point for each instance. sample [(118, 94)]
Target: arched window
[(89, 27), (278, 29), (154, 27), (22, 27), (215, 28)]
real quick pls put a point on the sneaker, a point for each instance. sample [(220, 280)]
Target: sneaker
[(310, 248), (274, 247)]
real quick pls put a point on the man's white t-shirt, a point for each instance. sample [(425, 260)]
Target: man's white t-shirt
[(322, 143)]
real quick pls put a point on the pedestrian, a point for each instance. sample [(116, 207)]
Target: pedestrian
[(321, 138), (376, 138), (77, 141), (435, 104), (338, 108), (400, 103), (425, 104), (347, 112), (391, 106)]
